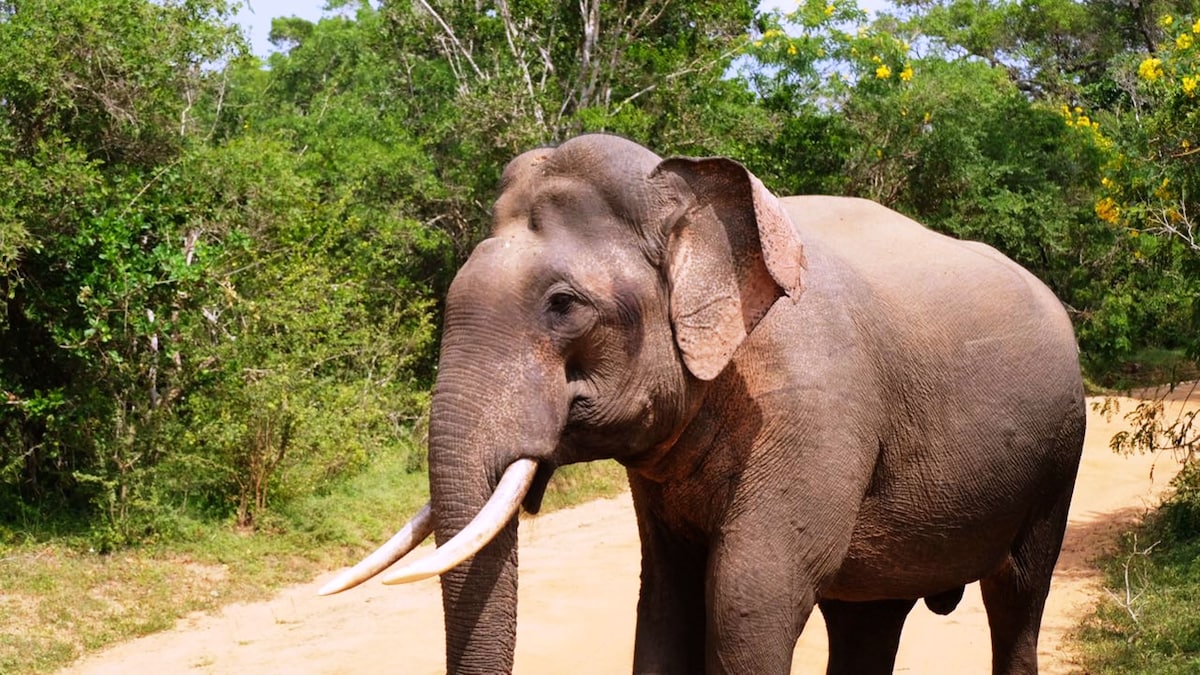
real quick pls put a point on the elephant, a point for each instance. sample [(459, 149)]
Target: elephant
[(818, 402)]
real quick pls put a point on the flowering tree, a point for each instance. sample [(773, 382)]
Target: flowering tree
[(1150, 185), (954, 138), (1153, 187)]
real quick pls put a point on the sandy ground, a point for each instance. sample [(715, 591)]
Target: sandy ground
[(579, 580)]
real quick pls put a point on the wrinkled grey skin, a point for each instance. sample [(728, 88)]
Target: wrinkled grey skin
[(818, 402)]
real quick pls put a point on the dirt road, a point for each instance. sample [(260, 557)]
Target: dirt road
[(579, 579)]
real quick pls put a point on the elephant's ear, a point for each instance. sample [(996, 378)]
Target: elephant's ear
[(731, 252)]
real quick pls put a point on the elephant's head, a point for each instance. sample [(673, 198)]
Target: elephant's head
[(613, 287)]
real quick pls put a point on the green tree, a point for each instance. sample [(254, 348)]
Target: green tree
[(1151, 184), (204, 270), (482, 83), (103, 268), (988, 134)]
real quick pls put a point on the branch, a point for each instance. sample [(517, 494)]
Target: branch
[(589, 12), (453, 38), (1130, 599), (1176, 223), (510, 31), (695, 67), (220, 103)]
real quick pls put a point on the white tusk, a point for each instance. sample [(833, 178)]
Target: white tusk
[(409, 537), (492, 518)]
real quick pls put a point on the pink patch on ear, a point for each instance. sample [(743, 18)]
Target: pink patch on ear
[(782, 251)]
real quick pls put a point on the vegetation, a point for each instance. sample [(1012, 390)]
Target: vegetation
[(220, 276), (1148, 622)]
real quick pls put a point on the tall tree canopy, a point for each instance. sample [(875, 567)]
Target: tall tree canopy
[(220, 275)]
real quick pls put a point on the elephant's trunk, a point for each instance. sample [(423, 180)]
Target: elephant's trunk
[(499, 406), (490, 411), (479, 597)]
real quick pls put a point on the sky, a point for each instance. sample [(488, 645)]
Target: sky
[(256, 18)]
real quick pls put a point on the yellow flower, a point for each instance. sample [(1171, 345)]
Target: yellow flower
[(1161, 191), (792, 50), (1183, 41), (1166, 20), (1108, 211), (1150, 69), (1189, 85), (1106, 182), (883, 72), (906, 74), (828, 10), (1185, 144), (1196, 27), (774, 32)]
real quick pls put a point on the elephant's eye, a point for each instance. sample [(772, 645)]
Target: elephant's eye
[(560, 303), (567, 314)]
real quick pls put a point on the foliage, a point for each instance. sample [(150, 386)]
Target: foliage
[(220, 276), (1150, 184), (105, 270), (482, 83), (957, 137), (1161, 424), (1148, 623), (190, 307), (1155, 429)]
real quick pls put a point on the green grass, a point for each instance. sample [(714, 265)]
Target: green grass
[(1150, 620), (59, 599), (578, 483)]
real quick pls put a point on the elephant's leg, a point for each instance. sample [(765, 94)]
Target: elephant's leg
[(756, 606), (670, 614), (1015, 594), (864, 636)]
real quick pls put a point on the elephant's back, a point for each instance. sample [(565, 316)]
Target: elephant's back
[(880, 244), (954, 324), (898, 268)]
